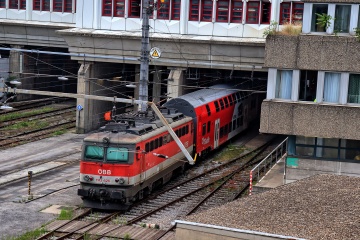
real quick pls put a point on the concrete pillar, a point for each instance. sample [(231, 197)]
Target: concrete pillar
[(156, 92), (16, 62), (176, 80), (83, 87)]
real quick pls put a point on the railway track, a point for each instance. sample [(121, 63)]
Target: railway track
[(21, 106), (180, 198), (35, 124)]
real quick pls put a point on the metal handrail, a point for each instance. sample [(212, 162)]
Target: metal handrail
[(268, 162)]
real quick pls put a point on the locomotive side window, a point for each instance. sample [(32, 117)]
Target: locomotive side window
[(208, 126), (165, 139), (226, 102), (226, 129), (217, 106), (117, 154), (183, 130), (138, 153), (208, 110), (147, 147), (151, 146), (192, 127), (94, 152), (204, 129), (221, 104), (187, 129)]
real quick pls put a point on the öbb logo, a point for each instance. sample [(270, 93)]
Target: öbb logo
[(104, 172)]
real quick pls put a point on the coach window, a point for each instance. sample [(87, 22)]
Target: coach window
[(226, 102), (221, 132), (208, 126), (208, 110), (203, 129), (221, 104), (291, 12), (230, 100), (226, 129), (258, 12), (156, 143), (17, 4), (217, 108)]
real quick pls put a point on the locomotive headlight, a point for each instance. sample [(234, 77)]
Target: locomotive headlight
[(120, 180), (88, 178)]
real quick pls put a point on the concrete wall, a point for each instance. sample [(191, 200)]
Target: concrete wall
[(298, 168), (310, 119), (313, 52)]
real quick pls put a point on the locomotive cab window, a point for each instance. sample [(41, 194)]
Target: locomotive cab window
[(208, 110), (217, 106), (221, 104), (94, 152), (226, 102), (114, 154)]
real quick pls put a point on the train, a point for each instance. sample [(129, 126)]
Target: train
[(134, 153)]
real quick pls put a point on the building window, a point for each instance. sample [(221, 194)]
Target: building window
[(342, 18), (222, 10), (308, 85), (318, 9), (332, 87), (119, 9), (62, 5), (237, 11), (194, 10), (107, 7), (206, 10), (354, 88), (113, 8), (17, 4), (358, 23), (283, 84), (176, 7), (291, 12), (2, 4), (163, 9), (327, 148), (258, 12), (41, 5), (134, 8)]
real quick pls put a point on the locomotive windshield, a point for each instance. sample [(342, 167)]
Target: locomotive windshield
[(109, 154)]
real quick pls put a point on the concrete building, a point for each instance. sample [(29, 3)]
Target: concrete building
[(103, 39), (313, 92)]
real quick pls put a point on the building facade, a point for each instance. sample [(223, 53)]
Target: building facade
[(313, 91)]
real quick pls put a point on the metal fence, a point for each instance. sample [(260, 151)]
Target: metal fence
[(267, 163)]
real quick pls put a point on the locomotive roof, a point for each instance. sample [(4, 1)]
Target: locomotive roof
[(131, 135), (205, 95)]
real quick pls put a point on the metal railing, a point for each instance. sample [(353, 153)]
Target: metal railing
[(267, 163)]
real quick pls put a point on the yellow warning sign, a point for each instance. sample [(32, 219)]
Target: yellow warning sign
[(155, 52)]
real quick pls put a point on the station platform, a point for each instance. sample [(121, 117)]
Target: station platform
[(273, 178)]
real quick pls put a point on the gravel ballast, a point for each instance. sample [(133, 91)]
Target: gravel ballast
[(319, 207)]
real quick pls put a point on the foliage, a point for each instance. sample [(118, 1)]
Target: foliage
[(66, 214), (33, 125), (127, 237), (271, 30), (230, 152), (357, 33), (15, 115), (59, 132), (289, 29), (324, 20), (30, 235)]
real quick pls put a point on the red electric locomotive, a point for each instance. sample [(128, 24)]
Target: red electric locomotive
[(133, 154)]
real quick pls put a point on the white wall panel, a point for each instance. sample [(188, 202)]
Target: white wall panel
[(193, 28), (118, 24), (88, 14), (41, 16), (166, 26), (133, 24), (79, 13), (220, 29), (61, 17), (235, 30), (105, 23), (206, 28), (16, 14), (3, 13)]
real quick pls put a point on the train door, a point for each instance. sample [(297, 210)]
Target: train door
[(216, 133), (140, 156)]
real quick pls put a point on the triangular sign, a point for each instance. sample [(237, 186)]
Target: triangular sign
[(155, 54)]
